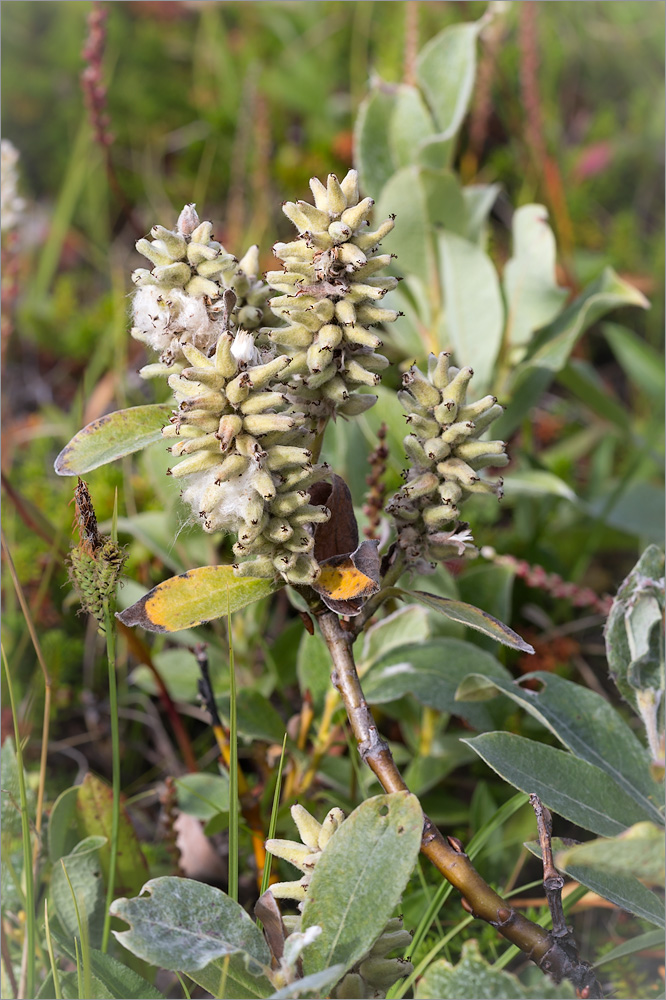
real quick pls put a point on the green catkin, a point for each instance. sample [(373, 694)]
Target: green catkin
[(446, 454)]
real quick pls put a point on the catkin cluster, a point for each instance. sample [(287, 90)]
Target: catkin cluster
[(446, 453), (374, 973), (195, 291), (245, 466), (331, 287)]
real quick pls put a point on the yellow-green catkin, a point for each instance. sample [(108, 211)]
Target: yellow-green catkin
[(195, 291), (446, 453), (375, 972), (96, 562), (331, 289)]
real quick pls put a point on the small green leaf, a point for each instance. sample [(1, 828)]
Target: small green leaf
[(200, 595), (639, 851), (474, 309), (432, 671), (403, 195), (479, 200), (571, 787), (586, 724), (445, 201), (372, 152), (111, 437), (62, 829), (184, 925), (203, 795), (638, 359), (468, 615), (623, 890), (533, 297), (537, 483), (350, 896), (313, 666), (257, 719), (474, 977), (230, 977), (446, 70), (550, 348)]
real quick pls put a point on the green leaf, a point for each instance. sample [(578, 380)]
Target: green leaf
[(633, 634), (391, 631), (537, 483), (94, 813), (317, 982), (203, 795), (85, 874), (533, 297), (200, 595), (350, 896), (623, 890), (571, 787), (257, 718), (550, 348), (432, 671), (410, 125), (184, 925), (474, 977), (10, 800), (446, 70), (587, 725), (638, 511), (638, 360), (178, 669), (403, 196), (372, 152), (474, 309), (468, 615), (116, 978), (111, 437), (639, 851), (649, 940)]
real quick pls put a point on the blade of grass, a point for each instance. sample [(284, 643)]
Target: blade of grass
[(186, 992), (49, 945), (234, 803), (27, 984), (266, 875), (110, 633), (83, 940)]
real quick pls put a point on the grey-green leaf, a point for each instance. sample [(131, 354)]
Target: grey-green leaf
[(390, 632), (533, 297), (623, 890), (410, 125), (350, 896), (113, 436), (184, 925), (473, 976), (432, 671), (372, 152), (85, 875), (203, 795), (229, 977), (638, 851), (473, 302), (403, 196), (446, 70), (587, 725), (317, 982), (571, 787), (467, 614)]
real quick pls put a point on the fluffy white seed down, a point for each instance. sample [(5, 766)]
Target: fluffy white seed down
[(243, 349), (164, 319), (224, 507)]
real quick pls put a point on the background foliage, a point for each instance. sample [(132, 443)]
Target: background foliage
[(234, 106)]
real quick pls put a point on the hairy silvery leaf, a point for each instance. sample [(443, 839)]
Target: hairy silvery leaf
[(350, 896)]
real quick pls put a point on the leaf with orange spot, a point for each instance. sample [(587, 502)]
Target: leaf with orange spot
[(198, 596)]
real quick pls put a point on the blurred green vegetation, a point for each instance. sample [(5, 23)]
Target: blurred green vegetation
[(234, 106)]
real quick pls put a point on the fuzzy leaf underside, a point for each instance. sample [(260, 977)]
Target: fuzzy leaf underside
[(113, 436)]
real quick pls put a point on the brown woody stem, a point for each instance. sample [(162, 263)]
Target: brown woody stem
[(556, 958)]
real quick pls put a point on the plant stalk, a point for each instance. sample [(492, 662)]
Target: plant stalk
[(109, 628), (479, 898)]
